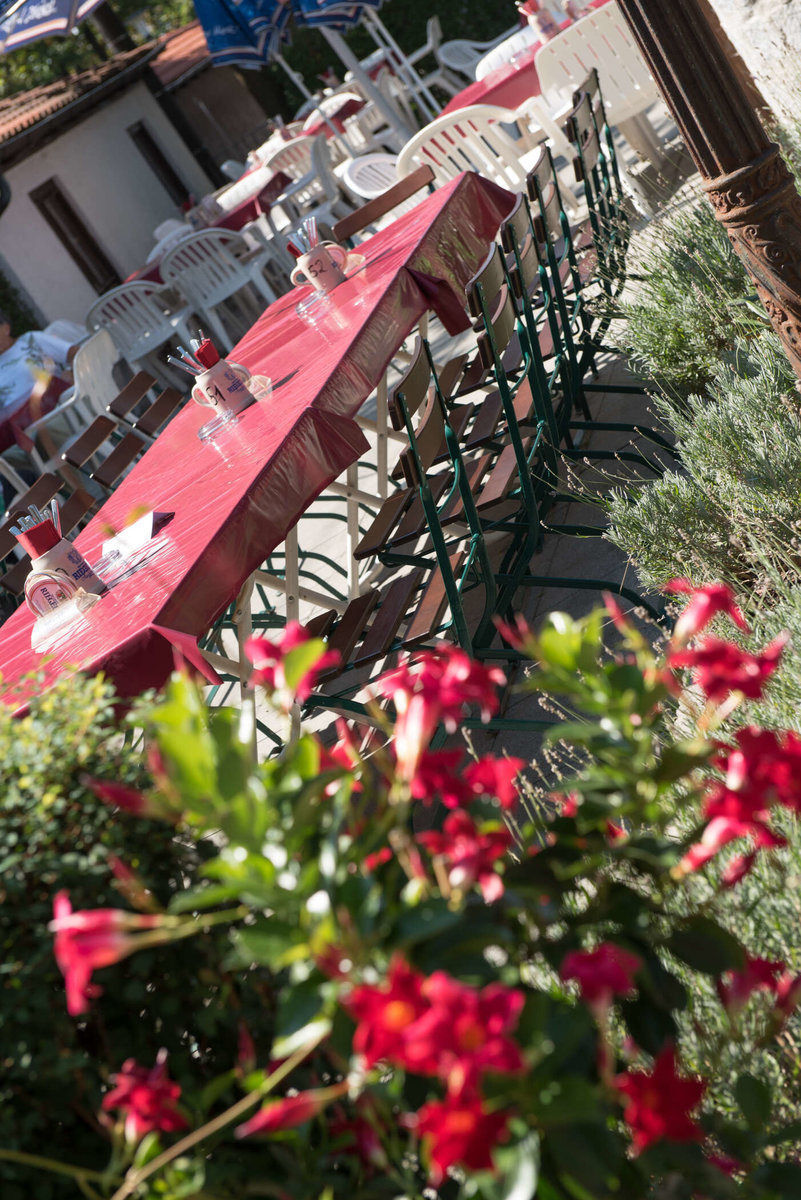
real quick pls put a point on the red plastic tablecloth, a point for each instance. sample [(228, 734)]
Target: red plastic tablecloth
[(508, 86), (235, 499)]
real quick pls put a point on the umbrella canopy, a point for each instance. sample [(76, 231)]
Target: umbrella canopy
[(248, 33), (26, 21)]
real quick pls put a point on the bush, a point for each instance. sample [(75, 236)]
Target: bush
[(56, 834)]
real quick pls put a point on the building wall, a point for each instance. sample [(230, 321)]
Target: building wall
[(223, 112), (767, 35), (113, 189)]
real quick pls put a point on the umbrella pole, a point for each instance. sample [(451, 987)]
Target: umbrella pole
[(349, 59), (304, 91), (382, 37)]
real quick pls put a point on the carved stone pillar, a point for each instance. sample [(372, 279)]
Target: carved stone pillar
[(750, 187)]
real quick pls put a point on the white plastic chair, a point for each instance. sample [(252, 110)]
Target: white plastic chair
[(94, 387), (138, 317), (206, 270), (462, 56), (505, 51), (470, 139), (369, 175), (440, 77), (602, 39), (232, 169), (69, 331)]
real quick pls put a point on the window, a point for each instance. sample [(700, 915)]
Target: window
[(158, 162), (75, 236)]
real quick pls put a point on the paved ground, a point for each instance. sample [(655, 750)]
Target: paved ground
[(322, 530)]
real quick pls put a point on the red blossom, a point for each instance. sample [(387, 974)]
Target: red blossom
[(432, 689), (516, 632), (720, 668), (384, 1013), (568, 805), (737, 868), (619, 618), (460, 1133), (147, 1098), (659, 1105), (764, 767), (719, 832), (268, 663), (492, 776), (602, 973), (118, 795), (470, 855), (86, 941), (437, 777), (285, 1114), (705, 603), (378, 859), (788, 995), (359, 1134), (735, 987)]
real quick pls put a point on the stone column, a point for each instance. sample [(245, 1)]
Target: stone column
[(751, 189)]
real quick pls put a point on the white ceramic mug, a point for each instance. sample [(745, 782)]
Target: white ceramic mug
[(321, 267), (223, 387)]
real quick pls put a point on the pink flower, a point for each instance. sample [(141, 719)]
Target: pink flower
[(705, 603), (788, 995), (461, 1132), (735, 987), (516, 632), (619, 618), (659, 1105), (86, 941), (764, 767), (118, 795), (268, 660), (495, 777), (470, 855), (720, 668), (147, 1098), (285, 1114), (435, 688), (719, 832), (602, 973)]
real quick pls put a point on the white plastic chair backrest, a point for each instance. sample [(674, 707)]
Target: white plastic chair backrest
[(232, 169), (204, 266), (469, 139), (322, 170), (327, 106), (93, 371), (460, 55), (134, 316), (293, 158), (506, 50), (370, 175), (69, 331), (603, 40)]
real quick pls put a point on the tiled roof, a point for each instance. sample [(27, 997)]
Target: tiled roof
[(184, 52), (25, 109), (181, 53)]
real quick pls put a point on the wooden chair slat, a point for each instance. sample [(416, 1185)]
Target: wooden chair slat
[(394, 606), (14, 579), (81, 448), (134, 391), (374, 209), (351, 626), (76, 507), (385, 521), (159, 412), (320, 626), (120, 457), (432, 605)]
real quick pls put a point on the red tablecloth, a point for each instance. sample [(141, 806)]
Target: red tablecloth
[(508, 86), (235, 499)]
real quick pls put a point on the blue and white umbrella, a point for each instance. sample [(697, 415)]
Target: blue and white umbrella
[(25, 21)]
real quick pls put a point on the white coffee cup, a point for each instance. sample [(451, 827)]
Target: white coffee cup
[(321, 267), (223, 387)]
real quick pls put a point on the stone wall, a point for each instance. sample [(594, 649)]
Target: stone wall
[(767, 34)]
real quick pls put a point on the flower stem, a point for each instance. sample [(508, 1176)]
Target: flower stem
[(51, 1164), (131, 1183)]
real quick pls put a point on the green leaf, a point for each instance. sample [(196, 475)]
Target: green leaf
[(310, 1034), (565, 1100), (703, 945), (424, 921), (270, 942), (782, 1180), (785, 1133), (520, 1175), (754, 1098), (299, 661), (198, 898)]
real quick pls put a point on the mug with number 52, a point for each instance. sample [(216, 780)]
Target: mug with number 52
[(321, 267)]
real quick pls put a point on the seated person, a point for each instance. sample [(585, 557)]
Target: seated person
[(25, 360)]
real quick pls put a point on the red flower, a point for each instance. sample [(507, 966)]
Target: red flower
[(718, 833), (516, 632), (470, 854), (735, 987), (269, 668), (359, 1133), (720, 667), (437, 777), (659, 1104), (602, 973), (285, 1114), (737, 869), (118, 795), (147, 1098), (788, 994), (495, 777), (464, 1032), (85, 941), (706, 602), (385, 1013), (764, 767), (378, 859), (433, 689), (462, 1132), (619, 618)]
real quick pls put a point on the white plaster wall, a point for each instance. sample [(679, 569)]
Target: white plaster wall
[(111, 186), (767, 35)]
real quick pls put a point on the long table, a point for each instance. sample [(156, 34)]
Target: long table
[(233, 500)]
